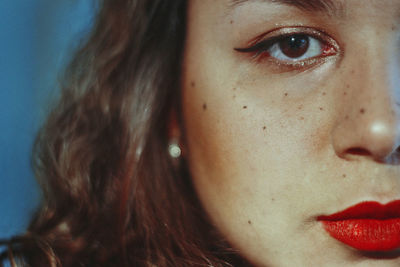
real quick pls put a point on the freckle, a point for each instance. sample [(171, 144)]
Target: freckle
[(265, 127), (234, 96), (249, 222), (393, 27), (321, 109), (204, 106), (347, 86), (362, 111), (234, 88), (347, 117), (345, 93), (300, 107), (231, 21), (272, 199), (344, 175), (193, 84), (324, 93), (286, 94), (301, 118), (353, 71), (244, 107)]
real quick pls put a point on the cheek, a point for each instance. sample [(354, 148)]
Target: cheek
[(247, 160), (246, 149), (230, 131)]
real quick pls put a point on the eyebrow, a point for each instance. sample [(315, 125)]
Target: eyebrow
[(325, 6)]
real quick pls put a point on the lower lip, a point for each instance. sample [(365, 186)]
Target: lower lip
[(366, 234)]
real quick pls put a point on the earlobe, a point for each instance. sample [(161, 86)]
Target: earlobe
[(174, 135)]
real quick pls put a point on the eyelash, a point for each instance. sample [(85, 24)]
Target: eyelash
[(260, 48)]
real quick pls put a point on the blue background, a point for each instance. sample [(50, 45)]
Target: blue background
[(37, 37)]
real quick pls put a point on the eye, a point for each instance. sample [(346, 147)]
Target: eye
[(295, 47), (291, 46)]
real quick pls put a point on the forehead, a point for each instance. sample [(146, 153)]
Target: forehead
[(308, 5), (214, 14), (329, 7)]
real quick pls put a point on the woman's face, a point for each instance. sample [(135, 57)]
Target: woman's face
[(291, 111)]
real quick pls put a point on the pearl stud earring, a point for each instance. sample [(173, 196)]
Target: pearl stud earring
[(174, 149)]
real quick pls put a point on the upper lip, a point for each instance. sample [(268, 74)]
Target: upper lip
[(366, 210)]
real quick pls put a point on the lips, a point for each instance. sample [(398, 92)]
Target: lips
[(368, 226)]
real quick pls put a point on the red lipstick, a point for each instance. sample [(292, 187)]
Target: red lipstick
[(368, 226)]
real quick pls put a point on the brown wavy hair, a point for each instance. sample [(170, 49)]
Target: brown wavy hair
[(111, 194)]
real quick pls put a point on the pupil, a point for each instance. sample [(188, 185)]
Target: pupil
[(294, 46)]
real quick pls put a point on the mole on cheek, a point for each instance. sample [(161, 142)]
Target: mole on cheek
[(321, 108), (231, 21), (193, 84), (264, 128), (286, 94), (324, 93), (249, 222), (300, 107), (362, 110), (347, 117), (344, 175), (244, 107), (205, 106)]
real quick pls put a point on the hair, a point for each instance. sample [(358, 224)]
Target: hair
[(111, 194)]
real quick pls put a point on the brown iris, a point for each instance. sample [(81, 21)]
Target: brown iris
[(294, 46)]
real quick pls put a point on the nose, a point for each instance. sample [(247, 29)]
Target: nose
[(368, 126)]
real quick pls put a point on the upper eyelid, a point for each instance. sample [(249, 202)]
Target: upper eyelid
[(260, 45)]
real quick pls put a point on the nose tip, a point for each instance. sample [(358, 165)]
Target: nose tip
[(378, 140), (383, 139)]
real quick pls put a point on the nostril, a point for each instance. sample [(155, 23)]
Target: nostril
[(358, 151)]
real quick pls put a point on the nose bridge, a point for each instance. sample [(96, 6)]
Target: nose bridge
[(376, 89), (370, 119)]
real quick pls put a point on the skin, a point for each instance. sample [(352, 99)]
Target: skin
[(271, 147)]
